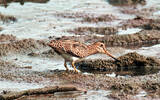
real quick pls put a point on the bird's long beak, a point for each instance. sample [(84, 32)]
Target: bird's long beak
[(107, 53)]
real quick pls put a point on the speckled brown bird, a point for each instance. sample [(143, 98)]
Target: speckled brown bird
[(72, 51)]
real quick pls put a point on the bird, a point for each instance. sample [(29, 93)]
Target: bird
[(73, 51)]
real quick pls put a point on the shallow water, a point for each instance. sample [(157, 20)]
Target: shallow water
[(37, 63), (129, 31), (15, 86), (38, 21), (152, 51), (90, 95)]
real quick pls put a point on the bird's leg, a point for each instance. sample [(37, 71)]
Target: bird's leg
[(74, 66), (65, 65)]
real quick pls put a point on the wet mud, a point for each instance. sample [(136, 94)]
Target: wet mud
[(7, 18), (131, 63), (7, 38), (1, 28), (133, 75), (20, 46), (6, 2), (141, 22), (100, 18), (137, 40), (73, 15), (126, 2), (94, 30), (121, 87), (154, 25), (128, 86), (136, 22), (143, 12), (49, 90), (87, 17)]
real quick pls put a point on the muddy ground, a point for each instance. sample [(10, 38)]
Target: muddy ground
[(7, 18), (143, 71), (134, 72), (127, 2), (6, 3)]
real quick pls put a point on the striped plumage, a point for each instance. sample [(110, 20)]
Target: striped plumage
[(72, 51)]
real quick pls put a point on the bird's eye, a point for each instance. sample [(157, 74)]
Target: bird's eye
[(101, 45)]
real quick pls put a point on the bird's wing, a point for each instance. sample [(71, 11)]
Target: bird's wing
[(77, 49), (71, 47)]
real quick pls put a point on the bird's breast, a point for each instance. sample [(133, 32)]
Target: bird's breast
[(69, 57)]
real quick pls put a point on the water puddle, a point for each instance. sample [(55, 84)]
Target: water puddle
[(39, 20), (152, 51), (129, 31), (123, 72), (141, 94), (17, 86), (74, 95), (94, 95), (36, 63)]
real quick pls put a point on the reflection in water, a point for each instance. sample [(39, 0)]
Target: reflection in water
[(125, 71), (5, 2), (72, 95)]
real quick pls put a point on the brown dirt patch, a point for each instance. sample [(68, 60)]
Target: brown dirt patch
[(88, 17), (21, 46), (126, 2), (139, 21), (142, 38), (46, 90), (145, 12), (48, 53), (101, 18), (7, 38), (7, 18), (154, 25), (1, 28), (13, 72), (129, 61), (94, 30), (5, 64), (121, 87), (139, 39), (74, 15)]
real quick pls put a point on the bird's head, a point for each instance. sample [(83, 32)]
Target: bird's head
[(51, 43), (101, 48)]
